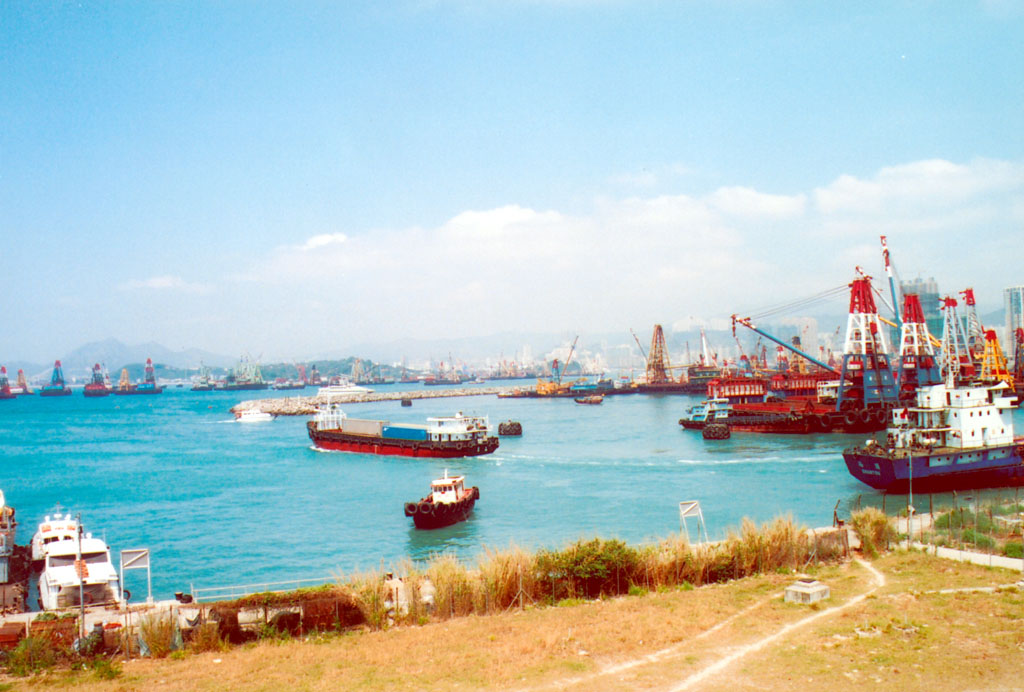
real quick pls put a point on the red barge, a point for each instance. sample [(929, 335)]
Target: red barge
[(443, 437)]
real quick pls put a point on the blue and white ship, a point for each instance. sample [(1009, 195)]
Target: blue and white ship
[(955, 438)]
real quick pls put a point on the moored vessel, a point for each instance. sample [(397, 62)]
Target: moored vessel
[(76, 566), (449, 502), (954, 438), (591, 400), (147, 386), (246, 377), (57, 386), (5, 385), (443, 437), (97, 386)]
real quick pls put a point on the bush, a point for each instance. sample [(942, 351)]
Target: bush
[(589, 568), (873, 529), (105, 669), (207, 637), (509, 578), (33, 654), (157, 631), (1013, 550), (455, 594), (976, 538)]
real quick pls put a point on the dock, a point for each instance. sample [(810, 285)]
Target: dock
[(306, 405)]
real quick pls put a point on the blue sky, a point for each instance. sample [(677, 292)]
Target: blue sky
[(289, 178)]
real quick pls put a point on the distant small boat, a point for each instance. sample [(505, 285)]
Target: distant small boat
[(593, 399), (449, 502), (253, 415)]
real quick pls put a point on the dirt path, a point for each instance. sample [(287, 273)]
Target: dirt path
[(725, 662), (684, 648)]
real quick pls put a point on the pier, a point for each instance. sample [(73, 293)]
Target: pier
[(306, 405)]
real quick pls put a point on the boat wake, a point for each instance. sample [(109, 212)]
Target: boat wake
[(751, 461)]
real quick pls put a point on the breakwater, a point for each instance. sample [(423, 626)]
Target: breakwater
[(306, 405)]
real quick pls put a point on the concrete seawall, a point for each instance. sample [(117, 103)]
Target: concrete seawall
[(306, 405)]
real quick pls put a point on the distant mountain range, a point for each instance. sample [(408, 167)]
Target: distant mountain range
[(115, 355), (614, 347)]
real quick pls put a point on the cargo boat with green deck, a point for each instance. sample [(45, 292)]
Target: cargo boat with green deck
[(442, 437)]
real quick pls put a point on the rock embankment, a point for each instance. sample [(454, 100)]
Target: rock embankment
[(306, 405)]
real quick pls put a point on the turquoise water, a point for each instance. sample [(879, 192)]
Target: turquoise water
[(220, 503)]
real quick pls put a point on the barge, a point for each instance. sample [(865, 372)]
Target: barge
[(442, 437)]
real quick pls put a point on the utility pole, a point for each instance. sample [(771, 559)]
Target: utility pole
[(80, 568)]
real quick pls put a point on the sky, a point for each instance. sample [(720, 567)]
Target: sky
[(289, 178)]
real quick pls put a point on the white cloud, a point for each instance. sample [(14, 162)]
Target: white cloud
[(743, 201), (323, 240), (639, 260), (165, 283)]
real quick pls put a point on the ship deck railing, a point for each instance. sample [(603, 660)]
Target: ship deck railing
[(230, 593)]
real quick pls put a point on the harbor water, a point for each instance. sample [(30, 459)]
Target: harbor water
[(221, 503)]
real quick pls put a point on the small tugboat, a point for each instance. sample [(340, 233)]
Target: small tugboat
[(444, 437), (449, 501), (73, 564), (98, 385), (955, 438), (57, 387), (591, 400)]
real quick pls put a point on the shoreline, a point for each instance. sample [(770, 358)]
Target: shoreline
[(306, 405)]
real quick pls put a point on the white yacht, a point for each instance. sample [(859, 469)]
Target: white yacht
[(73, 563)]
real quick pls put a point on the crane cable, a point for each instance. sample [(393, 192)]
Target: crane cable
[(802, 303)]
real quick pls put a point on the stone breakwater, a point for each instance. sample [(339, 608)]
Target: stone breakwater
[(306, 405)]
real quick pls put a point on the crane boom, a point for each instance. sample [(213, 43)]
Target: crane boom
[(745, 321)]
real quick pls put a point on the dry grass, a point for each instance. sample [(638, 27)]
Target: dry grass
[(874, 530), (913, 641)]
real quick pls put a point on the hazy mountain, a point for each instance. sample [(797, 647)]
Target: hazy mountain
[(114, 355)]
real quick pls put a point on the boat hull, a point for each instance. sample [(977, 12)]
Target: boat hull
[(336, 440), (55, 391), (430, 515), (940, 470), (797, 423)]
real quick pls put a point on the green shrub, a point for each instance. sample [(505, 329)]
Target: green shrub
[(1013, 550), (977, 538), (589, 568), (33, 654), (105, 669)]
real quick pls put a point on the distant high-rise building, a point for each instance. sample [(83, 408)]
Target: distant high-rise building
[(1014, 298), (928, 292)]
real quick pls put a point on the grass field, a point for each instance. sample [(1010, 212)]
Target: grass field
[(902, 635)]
